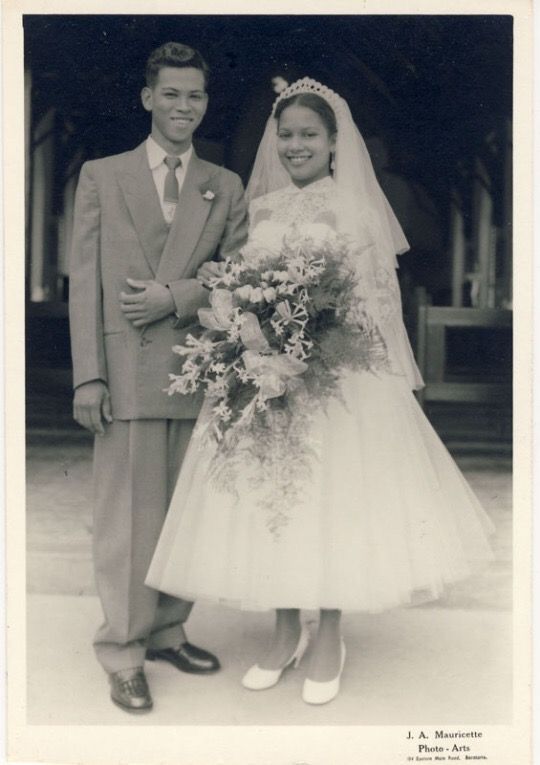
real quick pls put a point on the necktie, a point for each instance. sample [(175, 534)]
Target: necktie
[(171, 181)]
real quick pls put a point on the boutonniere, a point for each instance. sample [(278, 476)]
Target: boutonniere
[(208, 195)]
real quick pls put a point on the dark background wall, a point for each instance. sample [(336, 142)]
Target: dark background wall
[(433, 85), (432, 96)]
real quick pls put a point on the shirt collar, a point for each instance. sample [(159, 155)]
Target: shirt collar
[(156, 154)]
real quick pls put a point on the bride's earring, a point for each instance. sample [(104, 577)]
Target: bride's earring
[(332, 161)]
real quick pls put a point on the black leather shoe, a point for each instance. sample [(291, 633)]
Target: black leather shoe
[(187, 658), (129, 690)]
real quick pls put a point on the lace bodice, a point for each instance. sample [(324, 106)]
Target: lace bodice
[(316, 213), (293, 205), (310, 211)]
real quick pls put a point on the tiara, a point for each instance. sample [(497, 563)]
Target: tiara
[(307, 85)]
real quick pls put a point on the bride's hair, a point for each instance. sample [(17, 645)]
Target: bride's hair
[(310, 101)]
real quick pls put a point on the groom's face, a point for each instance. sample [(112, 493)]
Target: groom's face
[(178, 102)]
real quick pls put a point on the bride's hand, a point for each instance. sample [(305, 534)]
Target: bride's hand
[(208, 272)]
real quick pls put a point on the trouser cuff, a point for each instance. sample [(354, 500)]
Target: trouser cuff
[(170, 636)]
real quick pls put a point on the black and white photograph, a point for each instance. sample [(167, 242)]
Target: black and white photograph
[(269, 342)]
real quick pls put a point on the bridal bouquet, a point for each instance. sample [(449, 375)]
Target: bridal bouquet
[(278, 328)]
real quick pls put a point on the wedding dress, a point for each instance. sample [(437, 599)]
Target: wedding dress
[(375, 514)]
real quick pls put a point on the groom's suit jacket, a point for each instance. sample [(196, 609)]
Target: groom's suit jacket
[(120, 232)]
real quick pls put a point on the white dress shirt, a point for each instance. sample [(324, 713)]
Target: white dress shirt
[(156, 156)]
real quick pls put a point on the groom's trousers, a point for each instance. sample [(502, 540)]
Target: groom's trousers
[(136, 464)]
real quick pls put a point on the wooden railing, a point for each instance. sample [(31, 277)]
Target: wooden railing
[(431, 352)]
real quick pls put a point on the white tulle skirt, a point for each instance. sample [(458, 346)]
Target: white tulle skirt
[(385, 517)]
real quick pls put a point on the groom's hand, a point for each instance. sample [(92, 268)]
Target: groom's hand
[(92, 406), (210, 271), (151, 303)]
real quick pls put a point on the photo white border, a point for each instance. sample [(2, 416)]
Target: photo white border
[(230, 745)]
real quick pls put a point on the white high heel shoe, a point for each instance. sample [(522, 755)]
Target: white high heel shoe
[(321, 693), (258, 679)]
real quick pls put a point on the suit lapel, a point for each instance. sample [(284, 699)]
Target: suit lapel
[(191, 214), (142, 200)]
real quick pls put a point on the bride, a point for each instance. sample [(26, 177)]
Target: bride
[(382, 516)]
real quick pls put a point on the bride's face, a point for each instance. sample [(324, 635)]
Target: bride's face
[(304, 145)]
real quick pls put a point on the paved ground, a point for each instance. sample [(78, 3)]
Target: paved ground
[(441, 664), (421, 666)]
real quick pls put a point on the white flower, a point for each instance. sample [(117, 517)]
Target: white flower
[(208, 195), (223, 411), (181, 350), (257, 295), (206, 346), (270, 294), (240, 371), (226, 278), (177, 385), (237, 268), (243, 376), (189, 368), (277, 327), (217, 388), (234, 333), (296, 272), (244, 293), (279, 84)]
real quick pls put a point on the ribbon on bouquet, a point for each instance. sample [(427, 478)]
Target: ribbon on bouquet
[(251, 333), (274, 373), (220, 315)]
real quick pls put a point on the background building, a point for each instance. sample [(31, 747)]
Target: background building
[(432, 96)]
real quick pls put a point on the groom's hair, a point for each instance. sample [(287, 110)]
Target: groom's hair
[(175, 55)]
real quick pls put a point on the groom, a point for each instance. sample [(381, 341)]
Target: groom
[(145, 220)]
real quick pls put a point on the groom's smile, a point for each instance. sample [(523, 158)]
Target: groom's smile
[(178, 102)]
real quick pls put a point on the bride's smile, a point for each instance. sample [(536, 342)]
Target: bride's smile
[(298, 159)]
